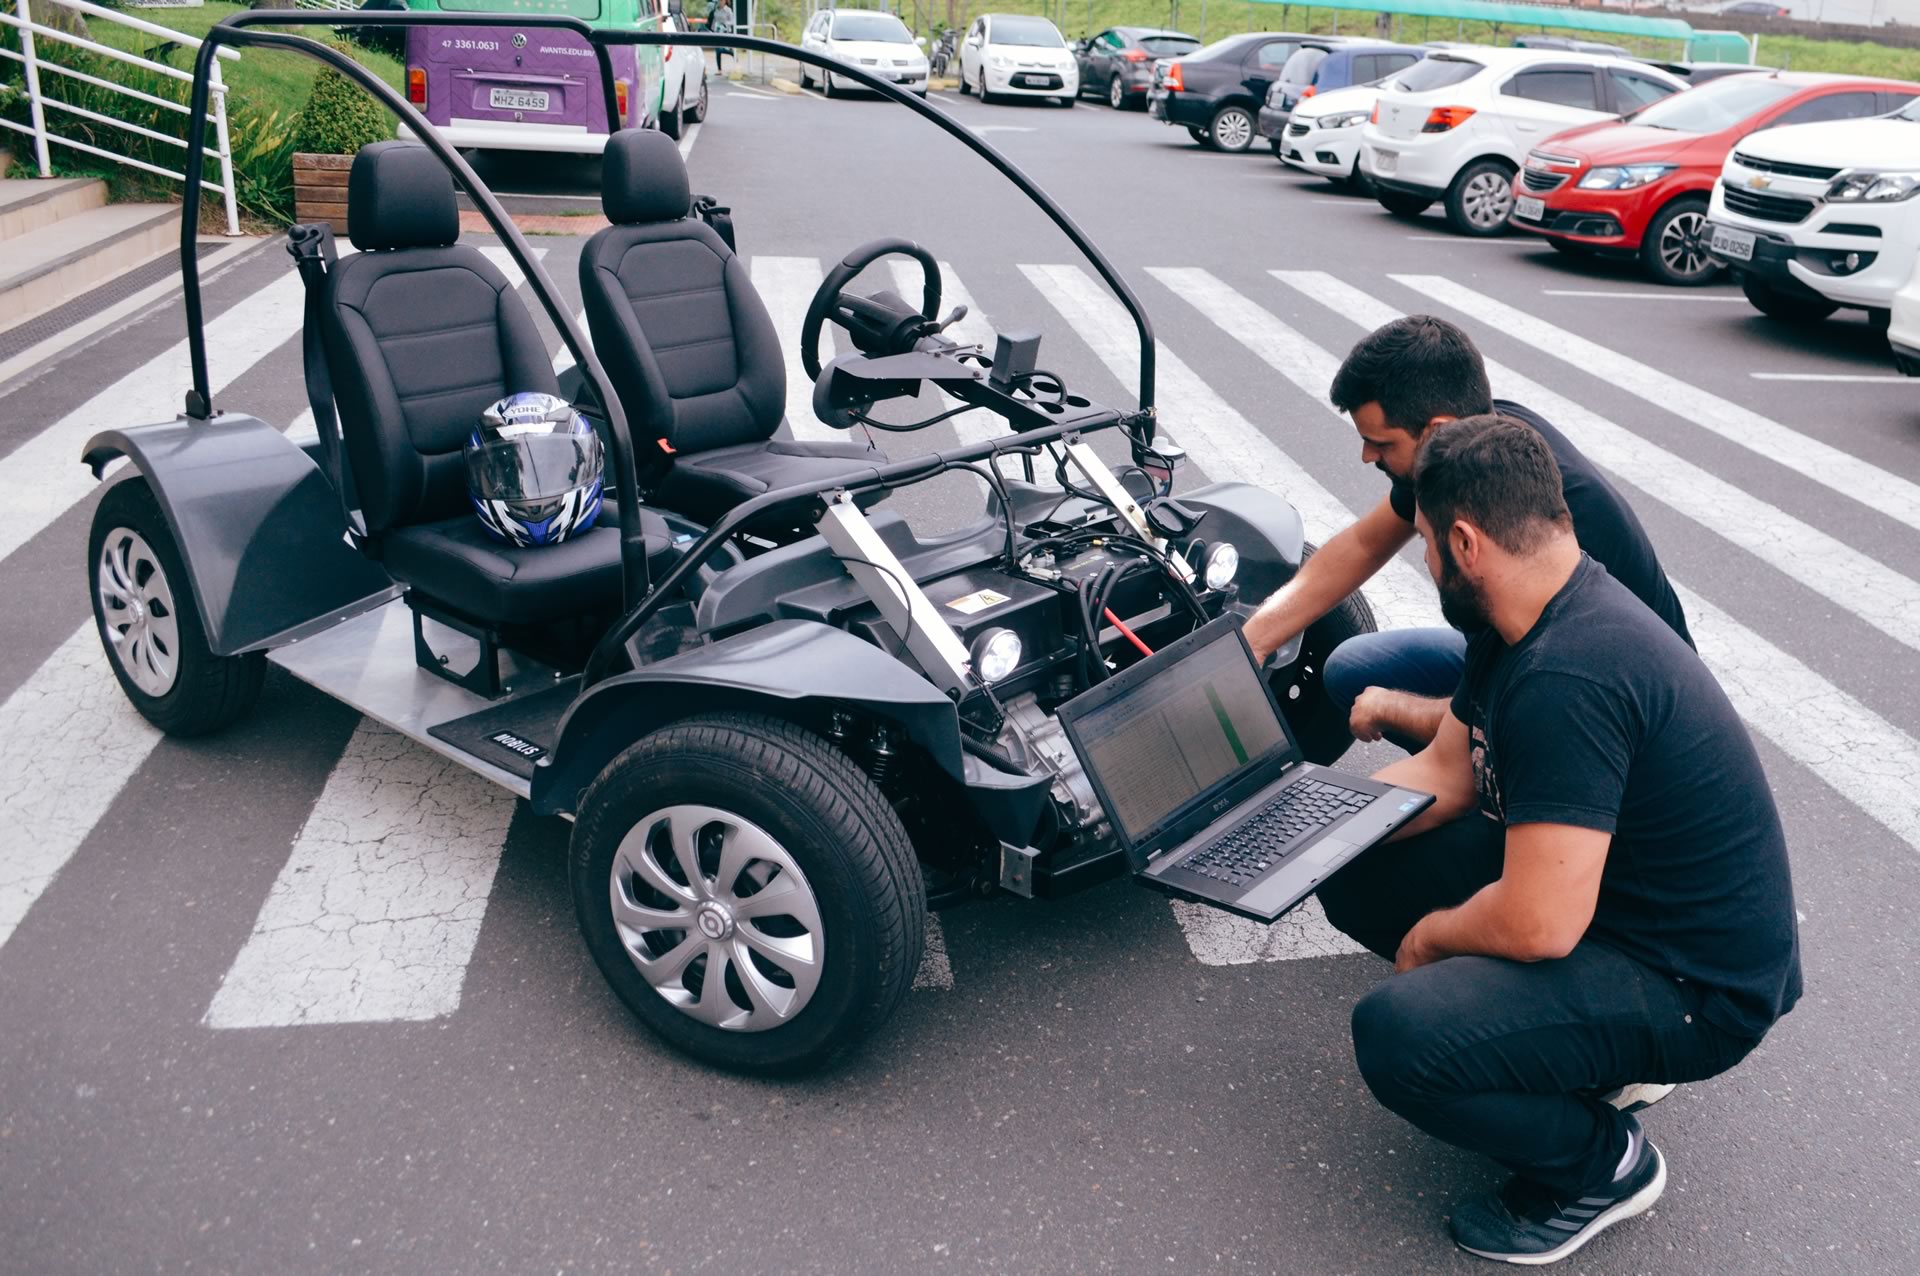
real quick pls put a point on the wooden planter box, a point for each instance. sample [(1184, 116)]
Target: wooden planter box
[(320, 189)]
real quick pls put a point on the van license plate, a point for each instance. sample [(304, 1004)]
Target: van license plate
[(517, 100), (1727, 242)]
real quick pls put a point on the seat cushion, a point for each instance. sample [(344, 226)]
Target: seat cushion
[(706, 485), (456, 563)]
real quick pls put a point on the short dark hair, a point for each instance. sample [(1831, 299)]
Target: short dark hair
[(1415, 368), (1496, 473)]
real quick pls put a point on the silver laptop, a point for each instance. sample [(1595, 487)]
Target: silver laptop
[(1205, 784)]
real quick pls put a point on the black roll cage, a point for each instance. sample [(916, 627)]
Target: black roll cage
[(639, 601)]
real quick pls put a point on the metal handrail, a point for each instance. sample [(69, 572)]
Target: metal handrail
[(194, 143)]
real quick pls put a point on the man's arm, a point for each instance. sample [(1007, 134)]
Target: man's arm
[(1538, 910), (1336, 569), (1444, 769), (1378, 711)]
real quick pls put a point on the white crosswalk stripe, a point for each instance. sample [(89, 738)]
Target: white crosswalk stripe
[(1884, 598), (787, 285), (377, 911), (1842, 472), (84, 743), (1220, 440)]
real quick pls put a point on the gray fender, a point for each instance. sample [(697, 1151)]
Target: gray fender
[(1267, 531), (774, 668), (257, 523)]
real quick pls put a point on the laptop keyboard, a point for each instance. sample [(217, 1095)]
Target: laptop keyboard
[(1270, 834)]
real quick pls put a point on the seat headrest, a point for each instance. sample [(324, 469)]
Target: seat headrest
[(643, 179), (400, 196)]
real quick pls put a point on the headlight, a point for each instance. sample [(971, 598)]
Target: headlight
[(1625, 177), (1342, 119), (996, 654), (1223, 560), (1875, 187), (999, 61)]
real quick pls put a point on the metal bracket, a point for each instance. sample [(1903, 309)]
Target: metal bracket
[(1016, 869), (1110, 486), (906, 607)]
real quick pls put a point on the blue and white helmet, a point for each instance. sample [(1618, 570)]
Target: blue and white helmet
[(534, 470)]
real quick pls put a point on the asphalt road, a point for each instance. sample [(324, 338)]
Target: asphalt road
[(1101, 1084)]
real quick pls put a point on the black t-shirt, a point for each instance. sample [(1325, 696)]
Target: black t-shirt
[(1605, 524), (1603, 719)]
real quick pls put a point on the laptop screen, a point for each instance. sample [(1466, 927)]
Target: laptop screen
[(1178, 734)]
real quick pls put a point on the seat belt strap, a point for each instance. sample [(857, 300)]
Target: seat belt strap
[(312, 249)]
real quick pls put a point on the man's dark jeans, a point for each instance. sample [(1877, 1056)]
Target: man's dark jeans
[(1501, 1057), (1420, 662)]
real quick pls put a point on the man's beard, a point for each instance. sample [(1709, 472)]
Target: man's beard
[(1462, 602)]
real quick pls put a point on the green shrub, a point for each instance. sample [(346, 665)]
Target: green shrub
[(340, 117)]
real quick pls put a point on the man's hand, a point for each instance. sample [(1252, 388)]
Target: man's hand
[(1415, 950), (1409, 717), (1369, 718), (1336, 569)]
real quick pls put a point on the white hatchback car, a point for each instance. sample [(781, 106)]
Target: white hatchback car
[(1323, 133), (1016, 55), (1457, 126), (1903, 326), (877, 43)]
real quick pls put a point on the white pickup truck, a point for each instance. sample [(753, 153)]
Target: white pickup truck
[(1815, 218)]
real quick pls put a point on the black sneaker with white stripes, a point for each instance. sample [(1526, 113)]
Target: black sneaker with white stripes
[(1527, 1222)]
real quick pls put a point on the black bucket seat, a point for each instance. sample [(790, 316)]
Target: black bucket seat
[(688, 344), (422, 333)]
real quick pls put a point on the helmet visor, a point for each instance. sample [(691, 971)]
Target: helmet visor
[(534, 467)]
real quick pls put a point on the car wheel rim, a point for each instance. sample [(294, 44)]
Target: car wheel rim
[(1683, 247), (1488, 199), (717, 916), (136, 612), (1116, 96), (1233, 131)]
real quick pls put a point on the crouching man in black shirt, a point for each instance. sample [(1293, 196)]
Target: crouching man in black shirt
[(1599, 896)]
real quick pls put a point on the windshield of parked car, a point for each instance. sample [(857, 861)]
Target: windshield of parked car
[(1911, 111), (1436, 73), (1301, 66), (882, 28), (1168, 46), (1035, 33), (1716, 104)]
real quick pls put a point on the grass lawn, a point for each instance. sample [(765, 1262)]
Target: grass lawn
[(265, 80)]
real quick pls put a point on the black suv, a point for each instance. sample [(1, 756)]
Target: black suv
[(1216, 93)]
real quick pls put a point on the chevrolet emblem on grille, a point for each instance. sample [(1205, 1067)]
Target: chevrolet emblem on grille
[(1759, 181)]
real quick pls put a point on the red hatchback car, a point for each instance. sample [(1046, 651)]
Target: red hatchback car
[(1641, 184)]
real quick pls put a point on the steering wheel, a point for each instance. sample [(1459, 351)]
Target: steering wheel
[(876, 327)]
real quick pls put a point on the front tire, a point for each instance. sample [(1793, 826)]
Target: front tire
[(1320, 725), (673, 123), (148, 621), (1401, 204), (1231, 130), (1481, 199), (1783, 306), (966, 90), (699, 112), (1674, 249), (687, 844)]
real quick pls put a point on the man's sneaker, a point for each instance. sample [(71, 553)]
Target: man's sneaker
[(1524, 1222), (1638, 1096)]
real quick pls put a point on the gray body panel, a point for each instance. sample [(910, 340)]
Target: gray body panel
[(258, 526)]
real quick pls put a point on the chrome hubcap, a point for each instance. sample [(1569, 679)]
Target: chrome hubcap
[(1683, 245), (1487, 199), (136, 612), (717, 917), (1116, 96), (1233, 131)]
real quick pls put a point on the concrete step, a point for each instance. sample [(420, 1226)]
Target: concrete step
[(45, 267), (28, 204)]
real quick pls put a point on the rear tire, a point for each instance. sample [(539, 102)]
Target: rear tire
[(1674, 248), (1320, 725), (1782, 306), (149, 623), (1400, 204), (1116, 94), (1481, 199), (773, 802), (1231, 130)]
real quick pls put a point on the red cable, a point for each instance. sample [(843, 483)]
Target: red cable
[(1130, 636)]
